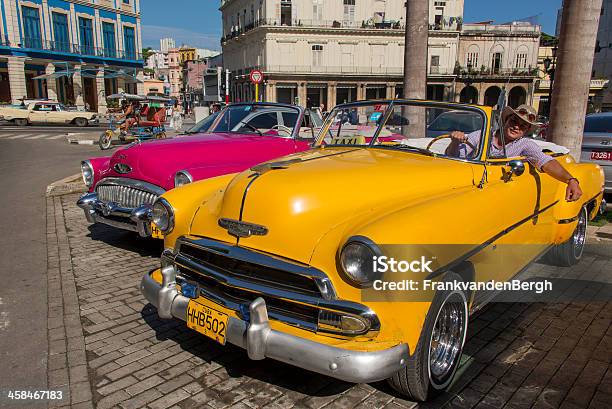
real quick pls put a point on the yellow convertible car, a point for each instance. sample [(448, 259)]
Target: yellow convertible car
[(339, 259)]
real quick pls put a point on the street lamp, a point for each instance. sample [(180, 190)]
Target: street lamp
[(550, 65)]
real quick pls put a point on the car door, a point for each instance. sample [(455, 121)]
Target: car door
[(39, 113), (55, 115)]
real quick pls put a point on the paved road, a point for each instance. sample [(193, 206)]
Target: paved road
[(27, 166)]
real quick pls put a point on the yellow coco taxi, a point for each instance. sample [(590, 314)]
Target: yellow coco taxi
[(279, 259)]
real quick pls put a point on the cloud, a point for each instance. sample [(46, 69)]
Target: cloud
[(152, 34)]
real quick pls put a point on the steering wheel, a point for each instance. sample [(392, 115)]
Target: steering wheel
[(282, 128), (439, 138), (251, 127)]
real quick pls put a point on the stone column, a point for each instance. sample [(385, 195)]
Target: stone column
[(101, 89), (361, 91), (17, 79), (331, 95), (270, 95), (51, 83), (302, 94), (140, 85), (390, 91), (77, 87)]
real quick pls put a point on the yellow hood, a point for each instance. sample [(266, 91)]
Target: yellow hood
[(299, 202)]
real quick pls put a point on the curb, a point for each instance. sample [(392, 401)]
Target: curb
[(71, 184), (81, 142)]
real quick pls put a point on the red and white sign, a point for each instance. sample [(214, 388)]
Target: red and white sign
[(256, 77)]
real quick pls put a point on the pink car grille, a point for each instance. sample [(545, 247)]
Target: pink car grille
[(125, 196)]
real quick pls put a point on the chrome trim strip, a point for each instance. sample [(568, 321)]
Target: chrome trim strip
[(261, 342)]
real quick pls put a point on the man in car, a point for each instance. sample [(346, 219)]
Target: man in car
[(517, 124)]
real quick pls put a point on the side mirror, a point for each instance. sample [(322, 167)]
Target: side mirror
[(517, 167)]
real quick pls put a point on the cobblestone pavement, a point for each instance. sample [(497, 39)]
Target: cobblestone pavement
[(108, 348)]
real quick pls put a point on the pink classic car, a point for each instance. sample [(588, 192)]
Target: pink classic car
[(123, 187)]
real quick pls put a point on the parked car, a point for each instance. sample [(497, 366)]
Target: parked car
[(597, 145), (47, 112), (123, 187), (279, 258)]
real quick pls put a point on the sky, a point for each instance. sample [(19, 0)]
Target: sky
[(198, 22)]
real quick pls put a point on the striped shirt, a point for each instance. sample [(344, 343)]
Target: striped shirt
[(522, 147)]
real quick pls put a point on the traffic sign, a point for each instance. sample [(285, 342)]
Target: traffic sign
[(256, 77)]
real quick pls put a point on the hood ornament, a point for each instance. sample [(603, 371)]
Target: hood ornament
[(241, 229), (122, 168), (606, 141), (283, 164)]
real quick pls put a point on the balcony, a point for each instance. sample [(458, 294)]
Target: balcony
[(353, 25), (484, 72), (500, 29), (596, 85), (83, 50)]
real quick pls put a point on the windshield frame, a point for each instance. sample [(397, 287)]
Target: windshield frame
[(296, 129), (390, 104)]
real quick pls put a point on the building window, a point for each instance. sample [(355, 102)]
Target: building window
[(521, 60), (286, 12), (31, 27), (129, 43), (496, 63), (317, 55), (60, 32), (472, 60), (126, 1), (434, 64), (108, 34), (86, 35), (317, 10), (349, 10)]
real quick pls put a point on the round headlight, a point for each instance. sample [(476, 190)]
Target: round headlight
[(181, 178), (87, 172), (163, 215), (357, 261)]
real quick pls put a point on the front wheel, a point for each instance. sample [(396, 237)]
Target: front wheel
[(105, 140), (81, 122), (21, 122), (433, 364), (569, 253)]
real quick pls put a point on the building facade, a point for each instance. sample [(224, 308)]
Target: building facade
[(316, 52), (602, 65), (166, 44), (73, 51)]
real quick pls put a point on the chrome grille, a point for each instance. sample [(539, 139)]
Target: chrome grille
[(126, 196)]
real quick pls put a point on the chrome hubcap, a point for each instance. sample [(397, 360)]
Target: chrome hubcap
[(580, 234), (447, 340)]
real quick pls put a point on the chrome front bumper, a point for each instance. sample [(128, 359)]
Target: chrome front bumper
[(260, 341), (111, 214)]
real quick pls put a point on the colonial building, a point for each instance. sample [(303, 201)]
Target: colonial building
[(328, 52), (602, 66), (74, 51)]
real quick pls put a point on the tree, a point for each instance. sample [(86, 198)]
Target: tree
[(415, 61), (147, 52), (579, 25)]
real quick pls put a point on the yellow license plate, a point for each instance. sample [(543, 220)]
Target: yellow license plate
[(156, 233), (207, 321)]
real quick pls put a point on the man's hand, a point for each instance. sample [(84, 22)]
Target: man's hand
[(573, 191), (458, 136)]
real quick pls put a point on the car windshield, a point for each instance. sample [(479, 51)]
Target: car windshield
[(258, 119), (411, 126), (598, 124), (204, 125)]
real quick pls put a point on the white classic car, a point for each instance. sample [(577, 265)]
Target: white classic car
[(46, 112)]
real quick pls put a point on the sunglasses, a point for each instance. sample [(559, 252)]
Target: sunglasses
[(530, 116), (518, 122)]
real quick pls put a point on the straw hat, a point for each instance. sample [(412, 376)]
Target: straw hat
[(525, 112)]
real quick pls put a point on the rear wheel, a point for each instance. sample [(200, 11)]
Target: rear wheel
[(569, 253), (433, 364), (81, 122), (105, 140), (21, 122)]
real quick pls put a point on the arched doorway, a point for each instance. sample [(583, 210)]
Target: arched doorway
[(492, 96), (517, 96), (469, 95)]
